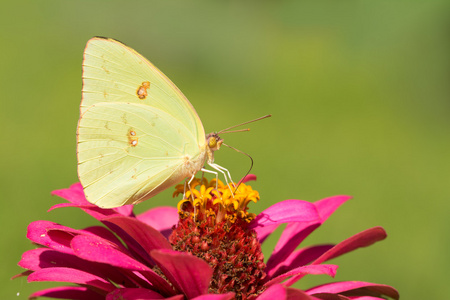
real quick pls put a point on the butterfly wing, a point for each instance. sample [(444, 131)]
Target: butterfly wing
[(136, 130), (113, 72)]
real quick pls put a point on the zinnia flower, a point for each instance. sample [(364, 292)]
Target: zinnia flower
[(208, 248)]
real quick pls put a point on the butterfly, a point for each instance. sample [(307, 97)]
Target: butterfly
[(137, 134)]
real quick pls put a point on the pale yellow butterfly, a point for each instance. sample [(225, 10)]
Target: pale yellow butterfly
[(137, 133)]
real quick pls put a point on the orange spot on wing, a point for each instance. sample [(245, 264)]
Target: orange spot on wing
[(142, 90), (132, 138)]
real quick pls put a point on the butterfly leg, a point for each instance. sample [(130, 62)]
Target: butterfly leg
[(189, 185), (223, 170), (226, 170), (192, 195), (212, 172), (184, 191)]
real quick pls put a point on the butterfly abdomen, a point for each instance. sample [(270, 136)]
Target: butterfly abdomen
[(192, 165)]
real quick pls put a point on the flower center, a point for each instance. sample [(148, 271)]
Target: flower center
[(213, 226)]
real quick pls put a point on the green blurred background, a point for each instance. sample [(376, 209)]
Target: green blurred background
[(359, 92)]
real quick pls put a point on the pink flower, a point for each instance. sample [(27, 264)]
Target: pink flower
[(210, 248)]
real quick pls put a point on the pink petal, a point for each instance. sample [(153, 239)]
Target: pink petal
[(295, 294), (325, 296), (58, 237), (249, 177), (100, 250), (362, 239), (62, 205), (68, 292), (263, 232), (327, 206), (126, 210), (160, 218), (30, 259), (138, 236), (75, 195), (41, 258), (138, 294), (292, 236), (276, 291), (91, 209), (227, 296), (295, 233), (73, 276), (299, 258), (187, 273), (177, 297), (279, 291), (38, 232), (305, 270), (356, 287), (134, 294), (96, 249), (286, 212), (365, 298), (106, 234)]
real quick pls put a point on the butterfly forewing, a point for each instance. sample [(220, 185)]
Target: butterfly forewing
[(126, 150), (113, 72)]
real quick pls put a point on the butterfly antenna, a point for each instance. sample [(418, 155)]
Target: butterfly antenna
[(226, 129), (239, 130), (251, 166)]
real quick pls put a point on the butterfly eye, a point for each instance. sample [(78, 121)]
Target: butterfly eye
[(212, 142), (142, 90)]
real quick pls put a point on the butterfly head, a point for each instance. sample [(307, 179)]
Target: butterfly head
[(213, 142)]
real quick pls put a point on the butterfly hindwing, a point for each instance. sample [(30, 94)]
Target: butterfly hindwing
[(127, 152)]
